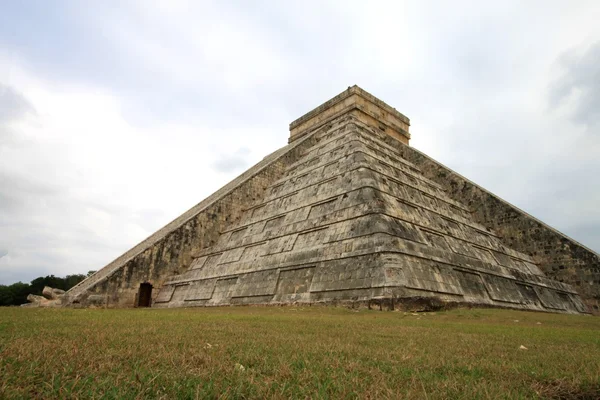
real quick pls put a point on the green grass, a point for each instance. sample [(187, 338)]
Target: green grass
[(294, 352)]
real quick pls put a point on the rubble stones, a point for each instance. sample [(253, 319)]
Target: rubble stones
[(51, 293), (51, 298)]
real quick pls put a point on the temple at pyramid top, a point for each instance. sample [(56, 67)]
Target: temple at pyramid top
[(348, 213), (357, 102)]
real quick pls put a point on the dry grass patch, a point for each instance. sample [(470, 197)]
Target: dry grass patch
[(309, 352)]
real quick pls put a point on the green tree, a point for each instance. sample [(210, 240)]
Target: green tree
[(72, 280), (15, 294)]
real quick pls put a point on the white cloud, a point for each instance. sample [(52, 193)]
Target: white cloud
[(83, 184), (90, 166)]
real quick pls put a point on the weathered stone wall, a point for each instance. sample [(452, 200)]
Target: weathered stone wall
[(353, 221), (295, 226), (371, 111), (560, 257), (169, 250)]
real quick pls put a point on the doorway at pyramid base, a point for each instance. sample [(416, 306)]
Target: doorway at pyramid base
[(384, 280)]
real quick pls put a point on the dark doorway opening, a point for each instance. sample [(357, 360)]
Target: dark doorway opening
[(145, 295)]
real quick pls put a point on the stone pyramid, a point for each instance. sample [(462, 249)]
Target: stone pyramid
[(339, 215)]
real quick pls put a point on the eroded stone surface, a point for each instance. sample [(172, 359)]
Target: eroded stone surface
[(559, 257), (168, 251), (346, 212), (354, 221)]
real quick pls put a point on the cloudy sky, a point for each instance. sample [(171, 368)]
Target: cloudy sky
[(117, 116)]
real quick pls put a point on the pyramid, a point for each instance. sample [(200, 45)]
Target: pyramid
[(347, 212)]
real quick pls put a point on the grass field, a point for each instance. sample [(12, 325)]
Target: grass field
[(288, 352)]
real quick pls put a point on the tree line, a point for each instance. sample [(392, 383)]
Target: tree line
[(16, 294)]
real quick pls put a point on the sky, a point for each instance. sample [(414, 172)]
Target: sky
[(118, 116)]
